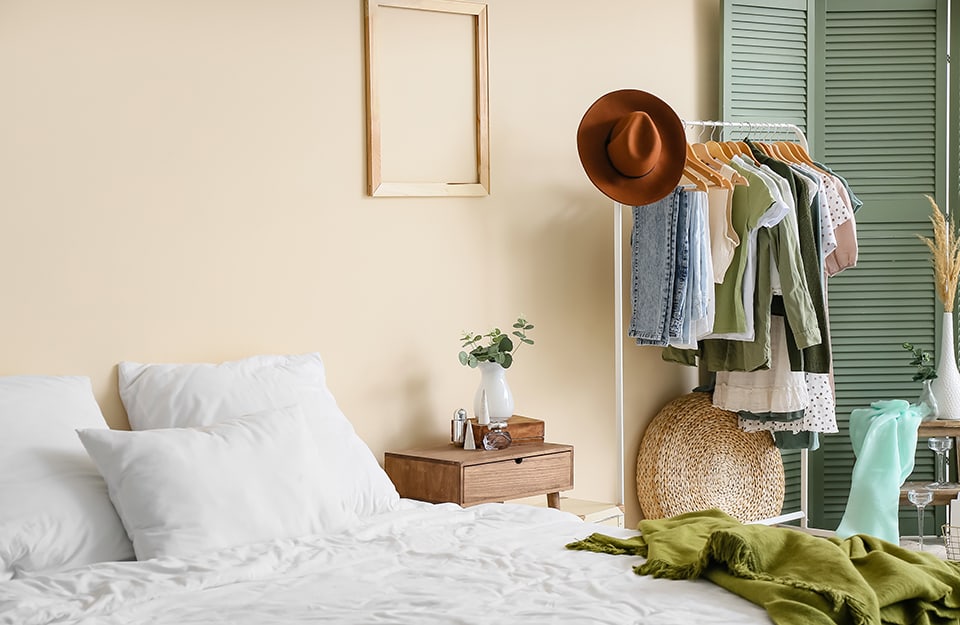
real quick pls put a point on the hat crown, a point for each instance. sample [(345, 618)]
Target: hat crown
[(634, 145)]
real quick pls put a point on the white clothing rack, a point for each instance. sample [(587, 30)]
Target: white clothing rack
[(758, 127)]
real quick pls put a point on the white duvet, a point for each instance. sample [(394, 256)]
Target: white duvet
[(422, 565)]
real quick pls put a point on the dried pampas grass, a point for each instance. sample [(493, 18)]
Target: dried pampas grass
[(945, 252)]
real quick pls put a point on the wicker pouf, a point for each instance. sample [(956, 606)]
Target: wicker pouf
[(694, 457)]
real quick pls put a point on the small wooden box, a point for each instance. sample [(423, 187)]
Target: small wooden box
[(522, 430), (590, 511)]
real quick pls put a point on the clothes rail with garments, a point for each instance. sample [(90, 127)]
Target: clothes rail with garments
[(733, 240), (774, 239)]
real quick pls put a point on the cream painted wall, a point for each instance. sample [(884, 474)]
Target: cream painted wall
[(184, 181)]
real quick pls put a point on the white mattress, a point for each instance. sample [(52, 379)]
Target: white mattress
[(421, 565)]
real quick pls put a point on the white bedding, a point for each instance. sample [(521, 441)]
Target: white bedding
[(422, 565)]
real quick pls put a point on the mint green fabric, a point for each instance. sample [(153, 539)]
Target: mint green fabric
[(884, 439), (800, 579)]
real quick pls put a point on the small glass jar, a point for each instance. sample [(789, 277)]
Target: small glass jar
[(497, 437)]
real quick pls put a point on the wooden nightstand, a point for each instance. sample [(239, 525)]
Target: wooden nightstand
[(927, 429), (451, 474)]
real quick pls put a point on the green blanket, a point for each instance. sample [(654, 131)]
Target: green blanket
[(800, 579)]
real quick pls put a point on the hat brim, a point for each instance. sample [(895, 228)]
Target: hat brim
[(594, 132)]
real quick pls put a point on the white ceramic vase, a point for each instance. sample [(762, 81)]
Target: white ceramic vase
[(946, 386), (930, 400), (493, 380)]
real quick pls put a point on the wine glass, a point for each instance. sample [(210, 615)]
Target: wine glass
[(941, 446), (920, 497)]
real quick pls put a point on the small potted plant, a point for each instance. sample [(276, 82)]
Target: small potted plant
[(493, 353), (499, 348), (925, 372)]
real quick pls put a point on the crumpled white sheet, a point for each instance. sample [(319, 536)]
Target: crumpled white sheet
[(420, 565)]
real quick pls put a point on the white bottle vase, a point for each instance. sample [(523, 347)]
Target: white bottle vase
[(946, 386), (493, 380)]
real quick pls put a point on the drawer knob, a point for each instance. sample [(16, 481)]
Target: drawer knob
[(518, 460)]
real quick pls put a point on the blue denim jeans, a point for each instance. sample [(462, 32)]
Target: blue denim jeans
[(654, 274)]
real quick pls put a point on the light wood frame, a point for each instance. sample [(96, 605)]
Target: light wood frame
[(376, 186)]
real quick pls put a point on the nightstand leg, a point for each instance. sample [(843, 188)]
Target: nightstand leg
[(553, 500)]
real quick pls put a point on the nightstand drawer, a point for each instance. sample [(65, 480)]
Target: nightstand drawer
[(467, 477), (518, 477)]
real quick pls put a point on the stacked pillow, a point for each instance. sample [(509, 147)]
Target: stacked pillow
[(54, 508), (220, 455), (233, 453), (181, 491)]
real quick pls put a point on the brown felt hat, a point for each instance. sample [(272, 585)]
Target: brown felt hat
[(632, 146)]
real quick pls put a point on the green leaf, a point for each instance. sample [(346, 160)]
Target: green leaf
[(494, 346)]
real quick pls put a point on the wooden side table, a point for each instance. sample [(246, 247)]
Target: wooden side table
[(938, 427), (451, 474)]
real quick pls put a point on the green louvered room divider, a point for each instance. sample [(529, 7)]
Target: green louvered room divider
[(764, 79), (866, 79)]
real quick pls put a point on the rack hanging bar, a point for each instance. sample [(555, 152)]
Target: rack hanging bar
[(754, 126)]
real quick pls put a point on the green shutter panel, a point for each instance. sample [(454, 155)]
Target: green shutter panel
[(764, 61), (869, 105), (764, 78), (882, 82), (879, 123)]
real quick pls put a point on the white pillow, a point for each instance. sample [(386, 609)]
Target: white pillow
[(185, 395), (54, 508), (181, 491)]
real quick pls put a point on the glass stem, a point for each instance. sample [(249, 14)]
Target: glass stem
[(920, 526)]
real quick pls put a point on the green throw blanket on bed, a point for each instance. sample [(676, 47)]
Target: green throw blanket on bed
[(800, 579)]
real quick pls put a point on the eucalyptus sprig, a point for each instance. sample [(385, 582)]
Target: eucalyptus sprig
[(923, 361), (500, 348)]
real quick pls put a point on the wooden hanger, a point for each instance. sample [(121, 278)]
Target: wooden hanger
[(697, 182), (704, 155), (704, 171), (694, 182), (702, 151), (797, 152), (742, 149), (716, 150), (773, 149), (765, 148), (729, 149), (800, 155)]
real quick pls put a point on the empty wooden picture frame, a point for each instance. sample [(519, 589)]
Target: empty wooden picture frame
[(427, 110)]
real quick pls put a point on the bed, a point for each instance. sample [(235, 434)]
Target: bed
[(244, 496), (420, 564)]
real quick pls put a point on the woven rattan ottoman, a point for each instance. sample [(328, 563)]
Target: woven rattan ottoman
[(694, 457)]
